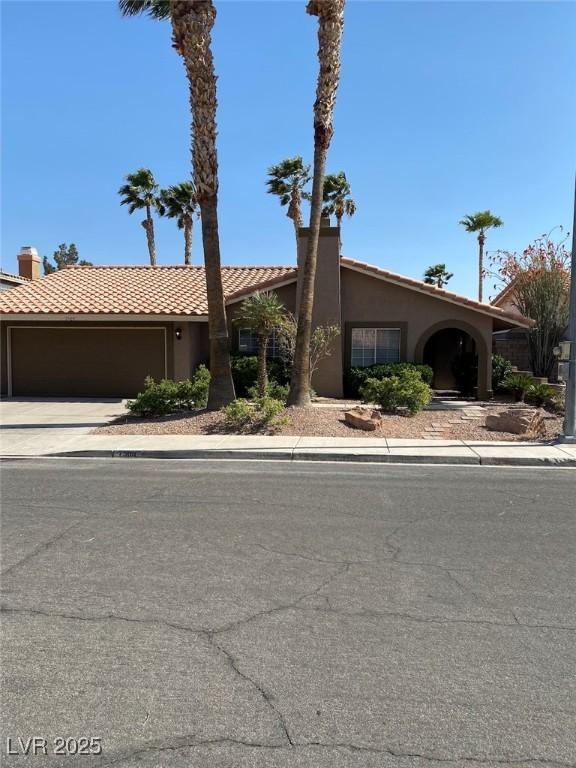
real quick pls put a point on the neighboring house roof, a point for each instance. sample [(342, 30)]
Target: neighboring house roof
[(503, 296), (438, 293), (181, 290), (11, 279), (134, 290)]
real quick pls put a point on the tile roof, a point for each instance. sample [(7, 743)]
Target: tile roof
[(438, 293), (138, 290), (10, 277)]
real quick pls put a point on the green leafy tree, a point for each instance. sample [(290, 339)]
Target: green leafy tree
[(480, 222), (330, 15), (179, 202), (65, 256), (437, 275), (262, 312), (192, 22), (288, 181), (337, 197), (141, 192)]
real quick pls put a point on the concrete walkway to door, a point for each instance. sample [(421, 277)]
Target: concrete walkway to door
[(52, 421)]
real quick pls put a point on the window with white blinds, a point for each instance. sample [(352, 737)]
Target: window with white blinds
[(248, 343), (374, 345)]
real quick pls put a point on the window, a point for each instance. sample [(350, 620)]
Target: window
[(374, 345), (248, 343)]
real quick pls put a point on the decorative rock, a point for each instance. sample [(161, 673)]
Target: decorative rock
[(518, 421), (360, 418)]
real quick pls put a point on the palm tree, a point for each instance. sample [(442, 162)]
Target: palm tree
[(179, 202), (480, 222), (330, 15), (192, 22), (437, 275), (141, 192), (287, 181), (337, 200), (262, 312)]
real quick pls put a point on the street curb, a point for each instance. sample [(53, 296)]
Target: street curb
[(301, 455)]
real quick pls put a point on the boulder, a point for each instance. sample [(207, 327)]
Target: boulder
[(518, 421), (361, 418)]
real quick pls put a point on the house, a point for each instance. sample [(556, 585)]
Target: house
[(511, 344), (8, 280), (98, 331)]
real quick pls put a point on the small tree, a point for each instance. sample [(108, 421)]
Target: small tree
[(321, 342), (337, 197), (262, 312), (179, 202), (65, 256), (539, 280), (141, 192), (437, 275)]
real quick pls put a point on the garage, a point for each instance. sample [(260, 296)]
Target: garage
[(84, 361)]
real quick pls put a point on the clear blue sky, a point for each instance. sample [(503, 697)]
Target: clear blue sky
[(443, 109)]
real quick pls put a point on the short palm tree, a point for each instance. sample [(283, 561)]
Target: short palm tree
[(337, 200), (179, 202), (141, 193), (262, 312), (288, 181), (330, 15), (192, 22), (480, 222)]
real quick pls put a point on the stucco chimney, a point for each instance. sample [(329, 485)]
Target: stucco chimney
[(327, 301), (29, 263)]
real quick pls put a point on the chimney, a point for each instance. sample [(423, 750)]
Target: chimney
[(29, 263), (327, 380)]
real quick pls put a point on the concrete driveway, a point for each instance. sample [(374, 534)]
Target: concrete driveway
[(249, 615), (28, 422)]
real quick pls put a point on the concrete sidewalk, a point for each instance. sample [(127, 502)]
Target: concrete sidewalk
[(70, 442)]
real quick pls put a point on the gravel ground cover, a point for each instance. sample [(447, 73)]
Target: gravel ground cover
[(329, 422)]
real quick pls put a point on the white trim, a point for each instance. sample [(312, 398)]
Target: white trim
[(101, 317), (264, 289), (10, 328), (401, 284)]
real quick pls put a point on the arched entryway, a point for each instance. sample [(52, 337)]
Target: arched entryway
[(457, 354), (451, 353)]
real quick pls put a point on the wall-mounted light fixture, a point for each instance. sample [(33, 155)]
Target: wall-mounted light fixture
[(178, 333)]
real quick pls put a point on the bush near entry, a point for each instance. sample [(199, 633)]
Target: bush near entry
[(355, 378), (248, 415), (245, 373), (168, 396), (405, 391)]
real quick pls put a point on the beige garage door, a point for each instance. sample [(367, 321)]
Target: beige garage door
[(85, 362)]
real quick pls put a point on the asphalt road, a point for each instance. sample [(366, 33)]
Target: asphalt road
[(242, 614)]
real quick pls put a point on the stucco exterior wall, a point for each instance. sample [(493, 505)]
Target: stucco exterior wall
[(367, 299)]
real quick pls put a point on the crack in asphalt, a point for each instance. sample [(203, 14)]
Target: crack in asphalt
[(41, 548), (186, 742)]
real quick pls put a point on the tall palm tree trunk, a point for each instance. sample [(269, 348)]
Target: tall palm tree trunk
[(192, 22), (148, 225), (262, 366), (295, 212), (481, 241), (330, 23), (188, 241)]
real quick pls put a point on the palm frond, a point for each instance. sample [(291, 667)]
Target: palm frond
[(156, 9)]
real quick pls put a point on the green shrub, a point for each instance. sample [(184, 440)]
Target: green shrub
[(355, 378), (541, 394), (393, 392), (501, 369), (249, 415), (167, 396), (274, 390), (245, 373), (519, 384)]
